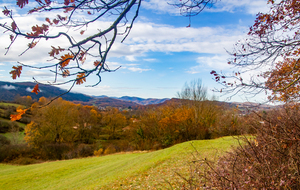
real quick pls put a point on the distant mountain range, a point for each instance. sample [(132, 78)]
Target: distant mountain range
[(9, 91)]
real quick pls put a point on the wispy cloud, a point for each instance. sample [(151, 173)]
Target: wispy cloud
[(217, 62), (136, 69), (248, 6)]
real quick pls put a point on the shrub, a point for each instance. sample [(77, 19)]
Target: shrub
[(12, 152), (4, 126), (268, 161), (98, 152), (25, 161), (55, 151), (110, 150), (84, 150), (4, 140)]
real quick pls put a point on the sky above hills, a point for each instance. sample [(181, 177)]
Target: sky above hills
[(161, 53)]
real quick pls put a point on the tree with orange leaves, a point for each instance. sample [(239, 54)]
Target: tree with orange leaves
[(270, 55)]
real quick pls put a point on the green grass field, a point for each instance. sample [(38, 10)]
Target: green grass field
[(141, 170), (9, 104)]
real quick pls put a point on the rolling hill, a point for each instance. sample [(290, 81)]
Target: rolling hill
[(137, 170), (9, 91)]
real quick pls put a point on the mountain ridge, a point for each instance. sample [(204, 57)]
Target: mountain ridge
[(10, 90)]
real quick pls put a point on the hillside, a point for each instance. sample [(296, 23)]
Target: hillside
[(119, 171), (143, 101), (9, 91)]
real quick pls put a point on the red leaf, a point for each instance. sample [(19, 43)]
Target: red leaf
[(22, 3), (16, 72), (55, 21), (82, 32), (11, 37), (48, 2), (6, 12), (36, 89), (14, 26), (49, 21), (89, 13), (67, 2)]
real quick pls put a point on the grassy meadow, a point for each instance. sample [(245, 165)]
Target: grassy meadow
[(136, 170)]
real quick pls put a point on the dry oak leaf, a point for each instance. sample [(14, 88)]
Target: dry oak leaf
[(13, 26), (36, 89), (55, 51), (22, 3), (16, 72), (80, 78), (18, 116), (6, 12), (32, 45), (65, 60)]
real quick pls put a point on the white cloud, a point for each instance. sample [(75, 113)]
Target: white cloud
[(136, 69), (9, 87), (249, 6), (217, 62)]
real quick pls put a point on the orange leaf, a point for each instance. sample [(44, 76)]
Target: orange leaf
[(82, 57), (66, 60), (66, 73), (18, 116), (55, 51), (82, 32), (36, 89), (80, 78), (16, 72), (31, 45), (96, 63)]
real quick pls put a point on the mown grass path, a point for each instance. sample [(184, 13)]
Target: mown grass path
[(142, 170)]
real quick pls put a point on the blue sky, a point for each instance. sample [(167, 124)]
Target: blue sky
[(160, 55)]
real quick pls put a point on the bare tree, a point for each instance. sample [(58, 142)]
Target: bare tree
[(268, 60), (78, 15)]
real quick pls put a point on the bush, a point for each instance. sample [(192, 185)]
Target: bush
[(84, 150), (98, 152), (4, 126), (55, 151), (4, 140), (110, 150), (268, 161), (25, 161), (12, 152)]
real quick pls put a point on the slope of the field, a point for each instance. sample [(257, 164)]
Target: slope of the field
[(143, 170)]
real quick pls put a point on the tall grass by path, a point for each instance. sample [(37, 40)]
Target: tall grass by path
[(118, 171)]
